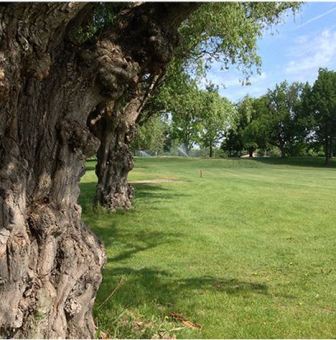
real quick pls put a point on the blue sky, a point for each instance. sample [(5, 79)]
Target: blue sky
[(292, 51)]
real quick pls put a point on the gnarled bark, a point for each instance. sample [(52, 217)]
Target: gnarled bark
[(152, 50), (114, 160), (50, 263), (115, 125), (115, 128)]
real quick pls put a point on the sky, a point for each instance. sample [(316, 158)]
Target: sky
[(293, 50)]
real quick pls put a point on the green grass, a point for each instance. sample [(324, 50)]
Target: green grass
[(246, 251)]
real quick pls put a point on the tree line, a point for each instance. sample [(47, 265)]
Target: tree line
[(296, 119)]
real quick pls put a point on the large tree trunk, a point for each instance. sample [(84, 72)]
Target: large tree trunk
[(115, 125), (50, 263), (114, 160)]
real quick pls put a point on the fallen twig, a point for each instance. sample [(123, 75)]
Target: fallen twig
[(184, 321)]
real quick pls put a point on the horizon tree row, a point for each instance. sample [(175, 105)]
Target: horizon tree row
[(295, 118)]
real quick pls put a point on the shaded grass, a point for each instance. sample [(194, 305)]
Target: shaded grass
[(246, 251)]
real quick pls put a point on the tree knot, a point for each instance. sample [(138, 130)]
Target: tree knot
[(78, 137), (72, 307)]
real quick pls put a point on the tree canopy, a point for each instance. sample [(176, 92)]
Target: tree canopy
[(322, 105), (216, 115), (228, 32), (222, 32)]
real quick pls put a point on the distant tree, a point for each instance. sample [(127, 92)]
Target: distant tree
[(322, 104), (197, 116), (258, 130), (151, 135), (249, 130), (182, 101), (304, 127), (232, 143), (248, 127), (216, 115), (283, 107)]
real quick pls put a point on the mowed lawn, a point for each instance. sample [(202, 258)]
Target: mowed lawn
[(248, 250)]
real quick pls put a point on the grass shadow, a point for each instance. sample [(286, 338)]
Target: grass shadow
[(159, 289), (149, 193)]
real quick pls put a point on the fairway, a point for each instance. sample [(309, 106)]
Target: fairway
[(248, 250)]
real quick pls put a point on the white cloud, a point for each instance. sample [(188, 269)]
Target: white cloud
[(310, 54)]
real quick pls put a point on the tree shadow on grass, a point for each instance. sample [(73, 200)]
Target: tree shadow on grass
[(149, 193), (314, 162), (114, 233), (161, 291), (152, 192), (133, 243)]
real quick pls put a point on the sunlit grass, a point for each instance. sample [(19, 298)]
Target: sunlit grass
[(248, 250)]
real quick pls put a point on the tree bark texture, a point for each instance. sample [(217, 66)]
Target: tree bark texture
[(50, 262), (114, 160), (115, 125)]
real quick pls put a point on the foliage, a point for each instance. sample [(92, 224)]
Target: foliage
[(197, 116), (322, 104), (278, 119), (283, 104), (237, 138), (183, 105), (151, 135), (99, 17), (250, 129), (216, 115), (227, 32), (232, 143)]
